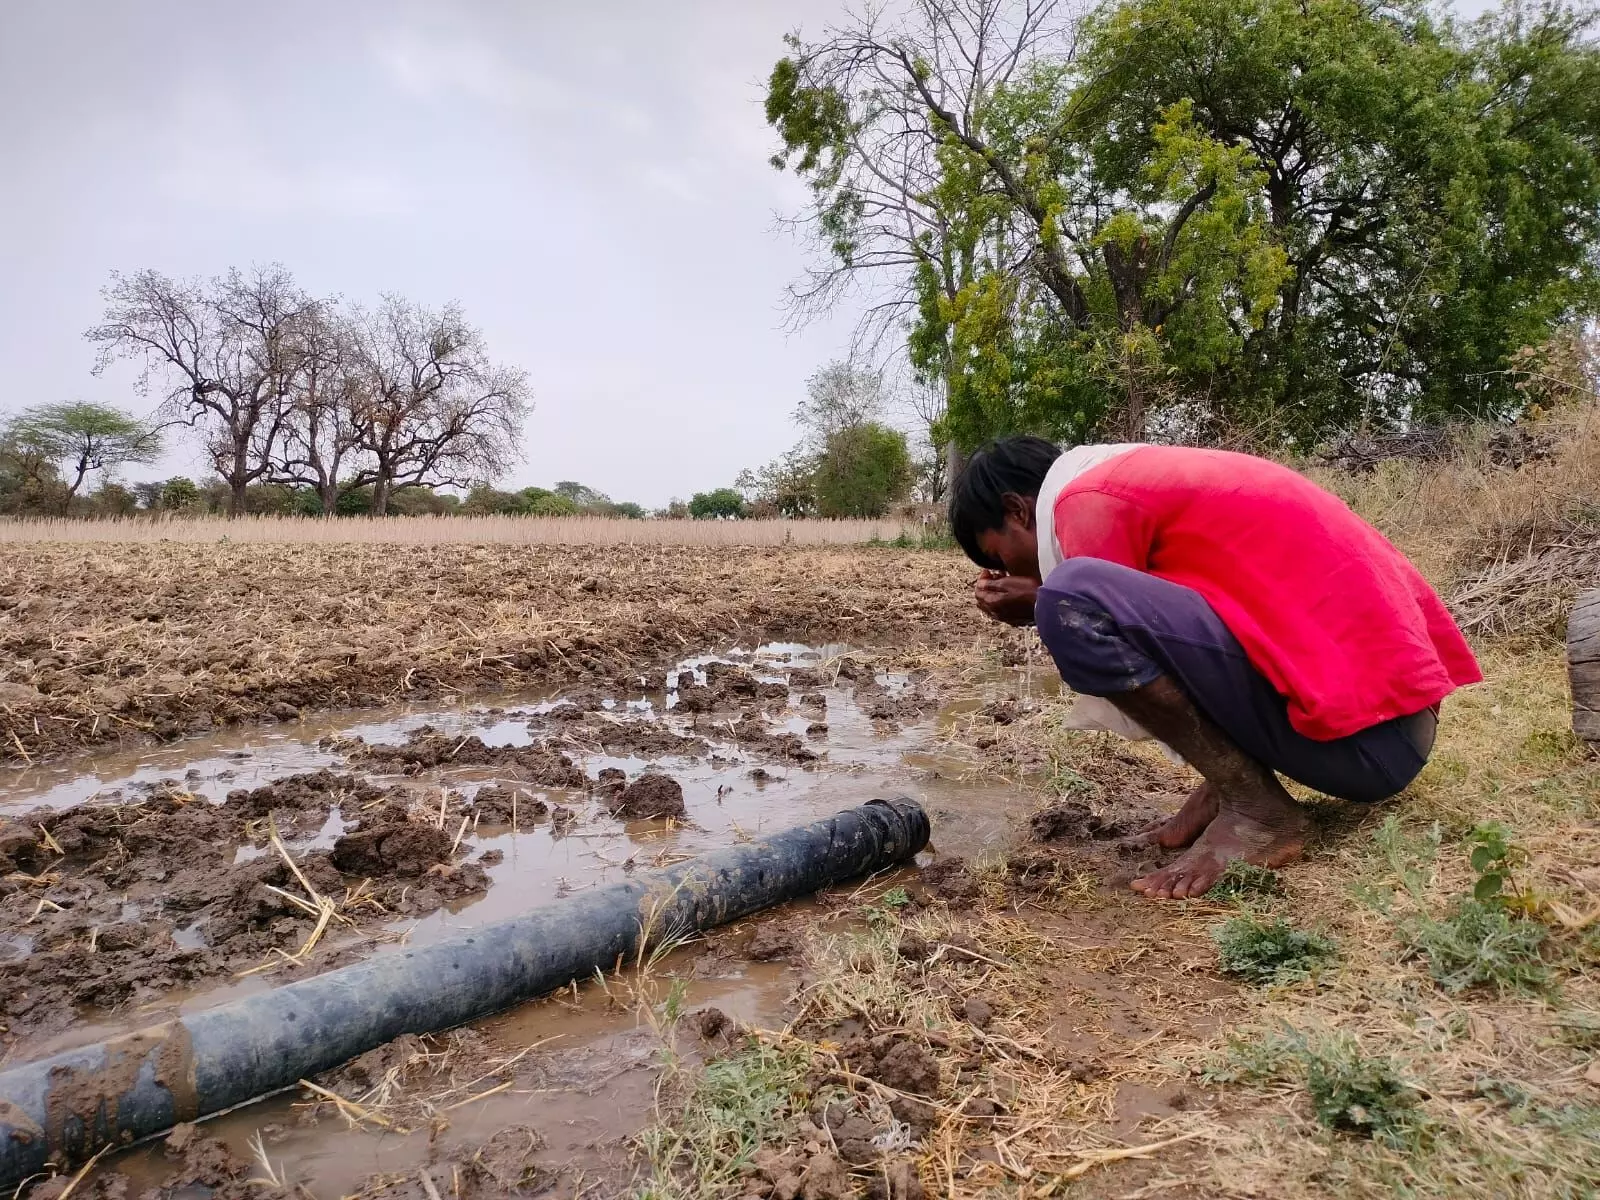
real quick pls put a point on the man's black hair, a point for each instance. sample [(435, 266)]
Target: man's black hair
[(1014, 465)]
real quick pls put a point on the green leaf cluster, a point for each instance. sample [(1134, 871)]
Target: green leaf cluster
[(1262, 951), (1276, 219)]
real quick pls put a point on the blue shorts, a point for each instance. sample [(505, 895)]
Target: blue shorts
[(1111, 629)]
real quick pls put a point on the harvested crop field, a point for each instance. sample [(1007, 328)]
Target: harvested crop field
[(294, 757), (111, 643)]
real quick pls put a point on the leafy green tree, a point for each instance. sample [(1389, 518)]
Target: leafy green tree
[(1435, 189), (272, 499), (862, 470), (29, 481), (785, 487), (179, 494), (423, 502), (582, 496), (485, 501), (723, 502), (114, 500), (354, 502), (543, 502), (81, 437), (1185, 217)]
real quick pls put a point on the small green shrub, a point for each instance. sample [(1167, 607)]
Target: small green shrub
[(1480, 942), (1349, 1091), (1243, 880), (1357, 1094), (1494, 857), (1253, 1061), (712, 1123), (1270, 951)]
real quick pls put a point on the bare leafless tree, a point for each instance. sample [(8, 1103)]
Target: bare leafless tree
[(321, 439), (433, 410), (912, 77), (225, 353)]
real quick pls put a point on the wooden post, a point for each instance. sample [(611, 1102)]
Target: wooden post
[(1583, 664)]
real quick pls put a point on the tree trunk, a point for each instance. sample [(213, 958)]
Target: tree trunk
[(1127, 273), (238, 477), (380, 496), (1583, 664), (954, 461), (328, 493)]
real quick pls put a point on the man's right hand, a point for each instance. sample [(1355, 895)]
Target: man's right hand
[(1008, 598)]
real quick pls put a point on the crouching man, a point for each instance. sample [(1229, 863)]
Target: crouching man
[(1228, 607)]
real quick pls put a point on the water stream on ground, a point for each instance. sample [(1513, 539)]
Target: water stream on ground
[(599, 1086)]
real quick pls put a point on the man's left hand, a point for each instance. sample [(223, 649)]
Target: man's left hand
[(1008, 598)]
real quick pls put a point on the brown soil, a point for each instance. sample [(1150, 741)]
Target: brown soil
[(907, 1067), (390, 843), (651, 796), (426, 748), (637, 737), (496, 804), (103, 912), (948, 879), (754, 737), (771, 941), (104, 643), (892, 705), (1074, 821)]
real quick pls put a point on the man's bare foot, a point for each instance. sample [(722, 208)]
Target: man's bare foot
[(1267, 835), (1188, 823)]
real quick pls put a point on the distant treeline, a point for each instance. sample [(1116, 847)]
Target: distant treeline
[(182, 496)]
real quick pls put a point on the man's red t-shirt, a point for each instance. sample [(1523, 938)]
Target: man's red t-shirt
[(1326, 608)]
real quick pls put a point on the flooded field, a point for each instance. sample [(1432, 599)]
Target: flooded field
[(141, 884)]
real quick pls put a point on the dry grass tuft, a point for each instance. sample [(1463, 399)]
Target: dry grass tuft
[(1508, 547)]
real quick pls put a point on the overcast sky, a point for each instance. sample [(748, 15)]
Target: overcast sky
[(588, 180)]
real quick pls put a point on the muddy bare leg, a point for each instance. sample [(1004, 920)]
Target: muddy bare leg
[(1184, 826), (1256, 820)]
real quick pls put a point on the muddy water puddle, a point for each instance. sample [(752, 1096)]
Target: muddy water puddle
[(513, 797)]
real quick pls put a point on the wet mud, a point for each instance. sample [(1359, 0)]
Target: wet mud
[(170, 880)]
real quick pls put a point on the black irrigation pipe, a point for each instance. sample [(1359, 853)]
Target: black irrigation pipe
[(63, 1109)]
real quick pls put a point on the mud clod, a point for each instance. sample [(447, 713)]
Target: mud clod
[(1071, 820), (694, 697), (897, 1181), (753, 736), (826, 1178), (384, 845), (650, 797), (504, 1164), (907, 1067), (978, 1012), (496, 804), (913, 947), (772, 942), (949, 879), (711, 1022), (428, 747)]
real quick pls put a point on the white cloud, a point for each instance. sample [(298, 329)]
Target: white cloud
[(216, 158), (439, 66), (670, 181)]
